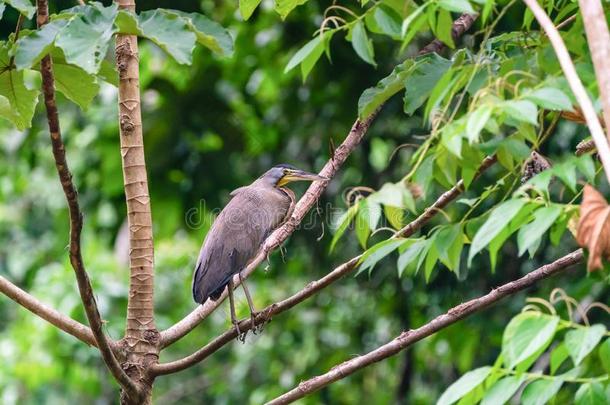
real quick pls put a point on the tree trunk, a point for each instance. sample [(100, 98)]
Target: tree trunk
[(140, 345)]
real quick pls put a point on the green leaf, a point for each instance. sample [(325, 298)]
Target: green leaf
[(30, 49), (558, 356), (458, 6), (544, 218), (373, 97), (566, 171), (444, 28), (370, 212), (591, 394), (209, 33), (311, 50), (449, 242), (108, 73), (362, 227), (604, 354), (502, 390), (464, 385), (170, 33), (521, 110), (431, 258), (284, 7), (377, 252), (247, 7), (526, 334), (582, 341), (388, 21), (126, 22), (18, 102), (362, 44), (73, 82), (419, 84), (499, 218), (515, 223), (550, 98), (394, 215), (540, 392), (23, 6), (477, 121), (86, 38), (343, 222), (411, 254)]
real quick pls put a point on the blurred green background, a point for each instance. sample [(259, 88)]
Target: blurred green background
[(210, 128)]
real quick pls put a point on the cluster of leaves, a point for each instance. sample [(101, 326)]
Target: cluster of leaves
[(578, 356), (78, 40)]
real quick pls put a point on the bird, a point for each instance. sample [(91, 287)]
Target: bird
[(237, 234)]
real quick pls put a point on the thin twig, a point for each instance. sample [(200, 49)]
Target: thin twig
[(32, 304), (407, 338), (574, 81), (359, 128), (76, 216)]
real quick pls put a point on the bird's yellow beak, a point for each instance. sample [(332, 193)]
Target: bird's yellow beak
[(299, 175)]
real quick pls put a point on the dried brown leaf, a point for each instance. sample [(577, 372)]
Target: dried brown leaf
[(594, 227)]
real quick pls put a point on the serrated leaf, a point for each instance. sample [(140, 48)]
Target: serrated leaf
[(526, 334), (582, 341), (18, 101), (73, 82), (362, 44), (464, 385), (209, 33), (85, 39), (521, 110), (550, 98), (532, 232), (170, 33), (30, 49), (591, 394), (499, 218), (373, 97), (502, 390), (284, 7), (377, 252), (477, 121), (458, 6), (419, 84), (247, 7), (25, 7), (126, 22)]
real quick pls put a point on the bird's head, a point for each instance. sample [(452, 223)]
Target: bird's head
[(283, 174)]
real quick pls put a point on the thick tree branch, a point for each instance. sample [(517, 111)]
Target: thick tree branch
[(76, 216), (598, 39), (32, 304), (315, 286), (575, 84), (359, 128), (407, 338)]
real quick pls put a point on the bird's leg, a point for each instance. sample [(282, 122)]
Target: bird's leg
[(234, 320), (253, 312)]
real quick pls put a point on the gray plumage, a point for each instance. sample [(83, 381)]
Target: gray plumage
[(253, 212)]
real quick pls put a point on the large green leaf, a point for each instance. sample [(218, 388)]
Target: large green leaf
[(591, 394), (209, 33), (550, 98), (558, 356), (374, 97), (449, 242), (526, 334), (34, 46), (86, 38), (342, 223), (477, 121), (464, 385), (531, 233), (284, 7), (18, 102), (25, 7), (582, 341), (308, 55), (604, 354), (362, 44), (388, 21), (413, 252), (247, 7), (419, 84), (170, 32), (541, 391), (497, 221), (521, 111), (502, 390), (377, 252)]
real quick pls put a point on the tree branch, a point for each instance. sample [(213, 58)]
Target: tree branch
[(575, 84), (598, 39), (63, 322), (313, 287), (359, 128), (76, 216), (407, 338)]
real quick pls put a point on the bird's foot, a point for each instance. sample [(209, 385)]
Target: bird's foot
[(241, 336), (255, 328), (263, 320)]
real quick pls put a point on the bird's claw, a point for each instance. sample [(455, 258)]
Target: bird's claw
[(241, 336)]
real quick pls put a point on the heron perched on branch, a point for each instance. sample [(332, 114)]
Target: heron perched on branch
[(240, 229)]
